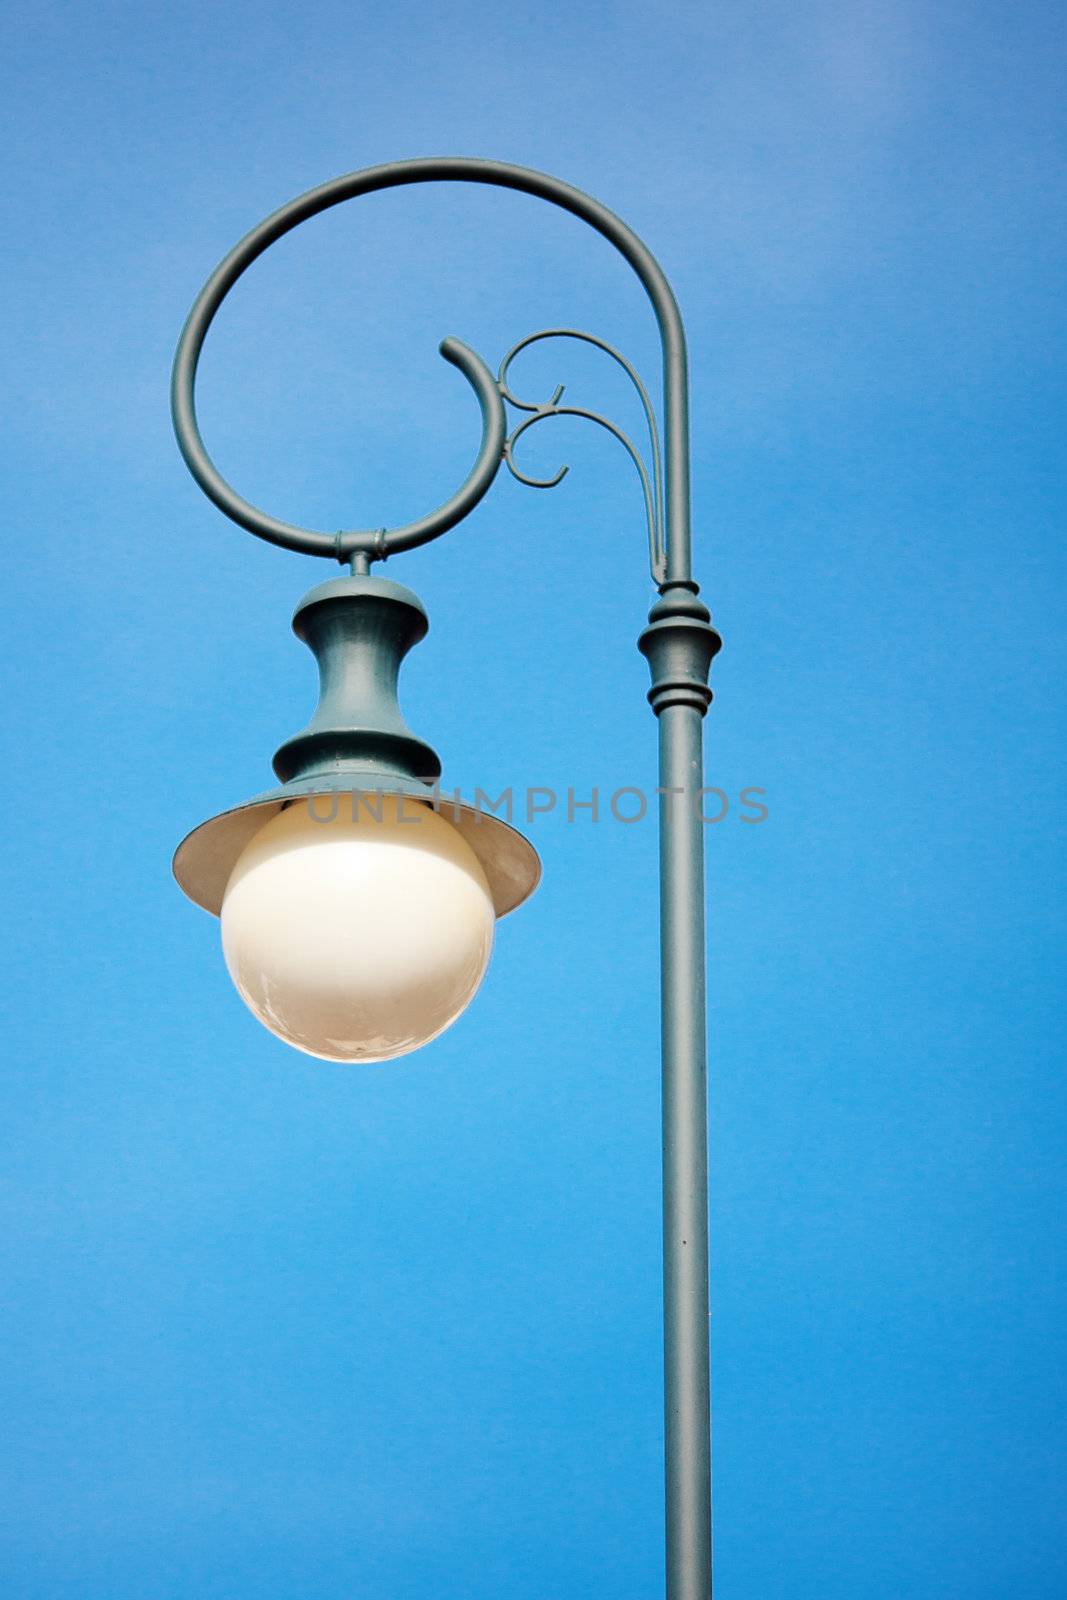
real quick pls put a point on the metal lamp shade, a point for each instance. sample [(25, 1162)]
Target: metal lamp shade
[(206, 857)]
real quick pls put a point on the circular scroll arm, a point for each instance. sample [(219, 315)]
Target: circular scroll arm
[(376, 544)]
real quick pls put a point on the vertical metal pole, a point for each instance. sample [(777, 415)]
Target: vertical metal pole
[(680, 644), (687, 1401)]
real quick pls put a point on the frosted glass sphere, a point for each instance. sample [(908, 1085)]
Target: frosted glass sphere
[(354, 938)]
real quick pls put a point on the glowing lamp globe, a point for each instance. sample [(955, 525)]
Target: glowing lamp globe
[(358, 937)]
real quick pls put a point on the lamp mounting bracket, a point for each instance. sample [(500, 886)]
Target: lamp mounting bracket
[(664, 477)]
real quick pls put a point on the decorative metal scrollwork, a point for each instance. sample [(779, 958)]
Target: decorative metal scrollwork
[(651, 486), (665, 489)]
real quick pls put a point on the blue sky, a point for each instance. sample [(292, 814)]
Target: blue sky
[(280, 1330)]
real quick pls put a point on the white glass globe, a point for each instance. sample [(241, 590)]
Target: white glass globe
[(354, 938)]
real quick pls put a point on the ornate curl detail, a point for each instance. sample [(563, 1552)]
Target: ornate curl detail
[(666, 493), (651, 488)]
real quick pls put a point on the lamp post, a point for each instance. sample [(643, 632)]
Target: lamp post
[(303, 874)]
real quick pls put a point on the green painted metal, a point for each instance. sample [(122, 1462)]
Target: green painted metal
[(377, 543), (359, 630), (357, 744), (651, 485), (679, 643)]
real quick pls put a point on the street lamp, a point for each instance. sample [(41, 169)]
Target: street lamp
[(358, 900)]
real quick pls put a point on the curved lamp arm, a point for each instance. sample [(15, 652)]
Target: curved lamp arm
[(377, 543)]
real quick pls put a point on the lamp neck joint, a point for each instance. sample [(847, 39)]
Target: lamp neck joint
[(359, 629)]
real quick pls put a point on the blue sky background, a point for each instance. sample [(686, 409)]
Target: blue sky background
[(278, 1330)]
